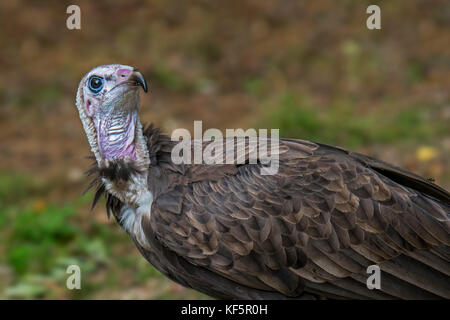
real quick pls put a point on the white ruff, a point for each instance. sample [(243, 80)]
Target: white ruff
[(138, 202), (127, 218)]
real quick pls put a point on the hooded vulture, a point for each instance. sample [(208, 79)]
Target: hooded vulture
[(310, 231)]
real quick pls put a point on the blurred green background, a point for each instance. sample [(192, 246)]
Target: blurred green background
[(310, 68)]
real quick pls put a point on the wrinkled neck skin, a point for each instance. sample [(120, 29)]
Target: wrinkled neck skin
[(118, 130), (116, 135)]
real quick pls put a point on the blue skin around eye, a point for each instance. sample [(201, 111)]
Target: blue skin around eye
[(95, 90)]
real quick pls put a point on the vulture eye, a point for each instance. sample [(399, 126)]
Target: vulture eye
[(95, 84)]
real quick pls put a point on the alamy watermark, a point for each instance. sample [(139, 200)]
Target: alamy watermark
[(237, 147), (374, 20), (74, 20), (74, 280), (374, 280)]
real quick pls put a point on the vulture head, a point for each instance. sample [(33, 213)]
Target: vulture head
[(108, 104)]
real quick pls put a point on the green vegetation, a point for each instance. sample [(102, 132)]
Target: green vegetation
[(341, 124), (38, 241)]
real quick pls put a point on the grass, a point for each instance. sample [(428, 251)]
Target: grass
[(297, 117), (39, 240)]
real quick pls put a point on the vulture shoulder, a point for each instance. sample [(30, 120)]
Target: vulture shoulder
[(312, 228)]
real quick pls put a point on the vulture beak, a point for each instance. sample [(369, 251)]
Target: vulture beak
[(138, 79)]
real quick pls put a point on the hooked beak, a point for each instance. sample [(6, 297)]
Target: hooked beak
[(138, 79)]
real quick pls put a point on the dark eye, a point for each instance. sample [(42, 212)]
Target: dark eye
[(95, 84)]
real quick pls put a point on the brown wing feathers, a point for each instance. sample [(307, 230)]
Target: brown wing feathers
[(311, 229)]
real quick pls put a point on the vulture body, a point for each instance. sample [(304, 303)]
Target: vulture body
[(307, 232)]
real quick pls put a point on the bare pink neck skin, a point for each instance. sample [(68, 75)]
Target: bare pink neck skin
[(115, 136)]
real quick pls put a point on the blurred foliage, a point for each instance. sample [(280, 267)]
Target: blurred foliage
[(341, 125), (310, 68), (38, 241)]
